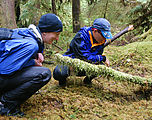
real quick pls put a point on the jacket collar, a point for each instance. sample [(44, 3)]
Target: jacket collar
[(91, 40), (33, 28)]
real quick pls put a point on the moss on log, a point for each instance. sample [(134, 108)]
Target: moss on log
[(147, 35), (91, 69)]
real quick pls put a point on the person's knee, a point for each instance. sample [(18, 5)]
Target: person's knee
[(45, 76), (60, 72)]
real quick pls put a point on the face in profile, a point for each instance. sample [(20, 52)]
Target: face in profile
[(49, 37), (98, 36)]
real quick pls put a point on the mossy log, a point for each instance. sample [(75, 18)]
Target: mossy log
[(147, 35), (92, 69)]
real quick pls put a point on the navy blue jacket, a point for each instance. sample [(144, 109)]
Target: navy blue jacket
[(85, 47)]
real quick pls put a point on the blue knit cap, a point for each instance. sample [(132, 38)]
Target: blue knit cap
[(50, 23), (104, 26)]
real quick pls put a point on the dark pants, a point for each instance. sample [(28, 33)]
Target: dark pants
[(61, 72), (17, 88)]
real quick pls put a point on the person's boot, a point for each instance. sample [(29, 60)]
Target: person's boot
[(3, 110), (10, 112), (62, 82), (16, 112), (87, 80)]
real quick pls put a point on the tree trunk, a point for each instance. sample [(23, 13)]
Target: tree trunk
[(75, 15), (90, 2), (106, 8), (61, 1), (123, 2), (17, 10), (35, 19), (7, 14), (54, 7)]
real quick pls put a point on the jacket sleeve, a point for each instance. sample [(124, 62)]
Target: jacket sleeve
[(81, 51), (18, 54), (30, 63)]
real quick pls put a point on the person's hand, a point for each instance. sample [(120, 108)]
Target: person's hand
[(107, 62), (39, 60)]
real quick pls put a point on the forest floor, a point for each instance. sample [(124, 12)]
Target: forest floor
[(106, 100)]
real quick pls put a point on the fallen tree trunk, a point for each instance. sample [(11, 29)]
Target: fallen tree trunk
[(91, 69)]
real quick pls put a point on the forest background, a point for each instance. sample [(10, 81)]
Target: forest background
[(106, 99)]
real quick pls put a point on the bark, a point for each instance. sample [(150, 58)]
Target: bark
[(123, 2), (54, 7), (7, 12), (61, 1), (17, 10), (38, 14), (90, 2), (106, 8), (75, 15)]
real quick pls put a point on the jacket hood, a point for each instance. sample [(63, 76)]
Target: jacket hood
[(33, 28)]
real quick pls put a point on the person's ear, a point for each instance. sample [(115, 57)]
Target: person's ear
[(44, 34)]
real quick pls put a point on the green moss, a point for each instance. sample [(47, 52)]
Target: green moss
[(134, 58), (147, 34), (92, 69)]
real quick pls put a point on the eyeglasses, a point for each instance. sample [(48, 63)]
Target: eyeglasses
[(98, 31)]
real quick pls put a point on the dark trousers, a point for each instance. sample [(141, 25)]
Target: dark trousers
[(61, 72), (17, 88)]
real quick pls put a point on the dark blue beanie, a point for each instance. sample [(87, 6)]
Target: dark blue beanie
[(50, 23)]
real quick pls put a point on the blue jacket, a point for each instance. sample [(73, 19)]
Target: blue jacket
[(20, 51), (85, 47)]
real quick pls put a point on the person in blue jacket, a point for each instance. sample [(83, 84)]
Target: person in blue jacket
[(87, 45), (21, 57)]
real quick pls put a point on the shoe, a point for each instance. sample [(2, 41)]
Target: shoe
[(16, 112), (10, 112), (87, 80), (3, 110), (62, 83)]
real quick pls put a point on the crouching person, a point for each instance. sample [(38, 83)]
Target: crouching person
[(21, 57), (87, 45)]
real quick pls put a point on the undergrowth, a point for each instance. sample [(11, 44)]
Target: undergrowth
[(104, 100)]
